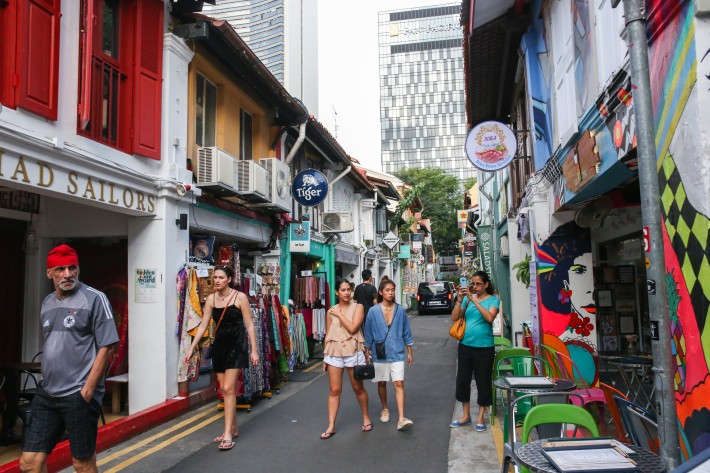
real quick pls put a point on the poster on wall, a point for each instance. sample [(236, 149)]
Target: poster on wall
[(145, 285), (300, 237), (201, 248)]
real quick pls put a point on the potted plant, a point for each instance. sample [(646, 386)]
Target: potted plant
[(523, 270)]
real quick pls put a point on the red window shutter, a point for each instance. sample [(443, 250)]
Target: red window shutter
[(148, 78), (8, 48), (38, 56), (86, 56)]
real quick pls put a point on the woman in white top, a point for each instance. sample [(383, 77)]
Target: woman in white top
[(344, 343)]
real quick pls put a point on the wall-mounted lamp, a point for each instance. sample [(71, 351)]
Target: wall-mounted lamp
[(182, 189), (181, 222)]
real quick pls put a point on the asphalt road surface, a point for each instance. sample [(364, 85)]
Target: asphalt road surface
[(281, 434)]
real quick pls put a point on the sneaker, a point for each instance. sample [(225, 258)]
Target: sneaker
[(385, 415), (404, 424), (480, 427)]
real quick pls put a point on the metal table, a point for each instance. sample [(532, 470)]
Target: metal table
[(560, 385), (530, 455), (632, 371)]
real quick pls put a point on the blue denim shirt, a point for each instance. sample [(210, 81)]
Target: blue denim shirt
[(400, 334)]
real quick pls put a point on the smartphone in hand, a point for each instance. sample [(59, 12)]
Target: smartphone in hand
[(463, 282)]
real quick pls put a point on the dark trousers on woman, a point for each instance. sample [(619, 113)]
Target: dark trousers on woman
[(476, 362)]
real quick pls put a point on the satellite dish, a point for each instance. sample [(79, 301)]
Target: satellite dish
[(593, 214)]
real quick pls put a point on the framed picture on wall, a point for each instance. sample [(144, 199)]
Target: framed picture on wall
[(626, 325), (608, 274), (604, 298)]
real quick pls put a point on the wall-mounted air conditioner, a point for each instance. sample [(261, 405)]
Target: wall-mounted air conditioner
[(337, 222), (216, 170), (279, 177), (504, 247), (252, 182)]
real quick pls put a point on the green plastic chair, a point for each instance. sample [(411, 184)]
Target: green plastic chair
[(523, 365), (554, 414), (501, 342), (503, 370)]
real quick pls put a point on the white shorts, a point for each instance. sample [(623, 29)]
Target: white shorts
[(389, 371), (344, 361)]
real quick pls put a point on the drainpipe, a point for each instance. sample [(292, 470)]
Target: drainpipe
[(634, 12), (299, 142)]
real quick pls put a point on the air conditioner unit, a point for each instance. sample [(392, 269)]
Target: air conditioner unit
[(279, 176), (252, 182), (368, 204), (337, 222), (216, 170), (504, 247)]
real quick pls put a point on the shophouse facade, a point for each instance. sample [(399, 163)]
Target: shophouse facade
[(88, 159), (573, 92)]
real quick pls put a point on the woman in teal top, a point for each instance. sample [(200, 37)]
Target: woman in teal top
[(476, 352)]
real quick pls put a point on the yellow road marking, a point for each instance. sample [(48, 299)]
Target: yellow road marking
[(144, 442), (498, 439), (163, 444), (311, 368)]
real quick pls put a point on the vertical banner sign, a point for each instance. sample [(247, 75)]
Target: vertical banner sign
[(533, 304), (300, 237), (485, 246), (461, 218)]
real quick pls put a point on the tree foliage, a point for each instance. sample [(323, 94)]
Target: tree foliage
[(440, 194)]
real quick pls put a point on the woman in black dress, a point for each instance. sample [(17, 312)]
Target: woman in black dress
[(229, 350)]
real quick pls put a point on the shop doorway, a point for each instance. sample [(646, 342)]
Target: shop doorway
[(622, 306), (12, 290)]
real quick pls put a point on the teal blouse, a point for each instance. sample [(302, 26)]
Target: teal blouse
[(479, 332)]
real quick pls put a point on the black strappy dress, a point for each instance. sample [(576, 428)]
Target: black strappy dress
[(230, 348)]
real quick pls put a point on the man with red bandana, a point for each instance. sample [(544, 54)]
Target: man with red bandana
[(79, 338)]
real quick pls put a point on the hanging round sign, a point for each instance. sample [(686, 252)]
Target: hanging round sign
[(491, 146), (309, 188)]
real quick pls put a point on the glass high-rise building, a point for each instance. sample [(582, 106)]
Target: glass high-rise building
[(283, 35), (422, 102)]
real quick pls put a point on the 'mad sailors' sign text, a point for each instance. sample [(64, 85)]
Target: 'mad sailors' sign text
[(42, 175)]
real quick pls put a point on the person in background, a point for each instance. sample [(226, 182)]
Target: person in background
[(343, 348), (388, 336), (231, 313), (476, 351), (79, 339), (366, 293)]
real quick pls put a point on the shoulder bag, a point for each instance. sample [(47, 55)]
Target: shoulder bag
[(213, 333), (458, 328), (366, 371)]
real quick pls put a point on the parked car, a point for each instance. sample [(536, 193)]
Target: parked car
[(435, 296)]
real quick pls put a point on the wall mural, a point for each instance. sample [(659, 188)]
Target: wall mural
[(538, 71), (567, 310), (684, 200)]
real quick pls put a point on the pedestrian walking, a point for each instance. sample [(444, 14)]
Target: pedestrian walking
[(389, 336), (366, 293), (343, 348), (79, 339), (476, 351), (231, 313)]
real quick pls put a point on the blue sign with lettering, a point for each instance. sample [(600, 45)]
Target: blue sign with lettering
[(309, 187)]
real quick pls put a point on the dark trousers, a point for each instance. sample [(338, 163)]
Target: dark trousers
[(476, 362)]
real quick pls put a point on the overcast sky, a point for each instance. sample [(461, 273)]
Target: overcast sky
[(348, 64)]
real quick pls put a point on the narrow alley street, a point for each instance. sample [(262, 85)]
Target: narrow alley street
[(282, 434)]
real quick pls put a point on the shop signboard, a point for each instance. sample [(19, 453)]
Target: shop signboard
[(485, 245), (300, 237), (461, 218), (404, 251), (309, 188), (491, 146)]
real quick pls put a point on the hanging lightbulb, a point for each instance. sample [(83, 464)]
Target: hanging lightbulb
[(31, 240)]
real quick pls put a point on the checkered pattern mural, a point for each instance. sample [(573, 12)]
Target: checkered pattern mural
[(689, 232)]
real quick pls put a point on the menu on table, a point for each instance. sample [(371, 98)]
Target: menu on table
[(592, 455), (528, 381)]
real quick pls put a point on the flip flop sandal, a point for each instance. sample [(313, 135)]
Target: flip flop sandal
[(326, 435), (367, 427), (226, 445), (221, 438)]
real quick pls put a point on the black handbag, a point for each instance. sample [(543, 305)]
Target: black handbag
[(366, 371)]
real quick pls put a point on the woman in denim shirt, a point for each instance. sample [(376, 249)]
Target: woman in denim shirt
[(387, 325)]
